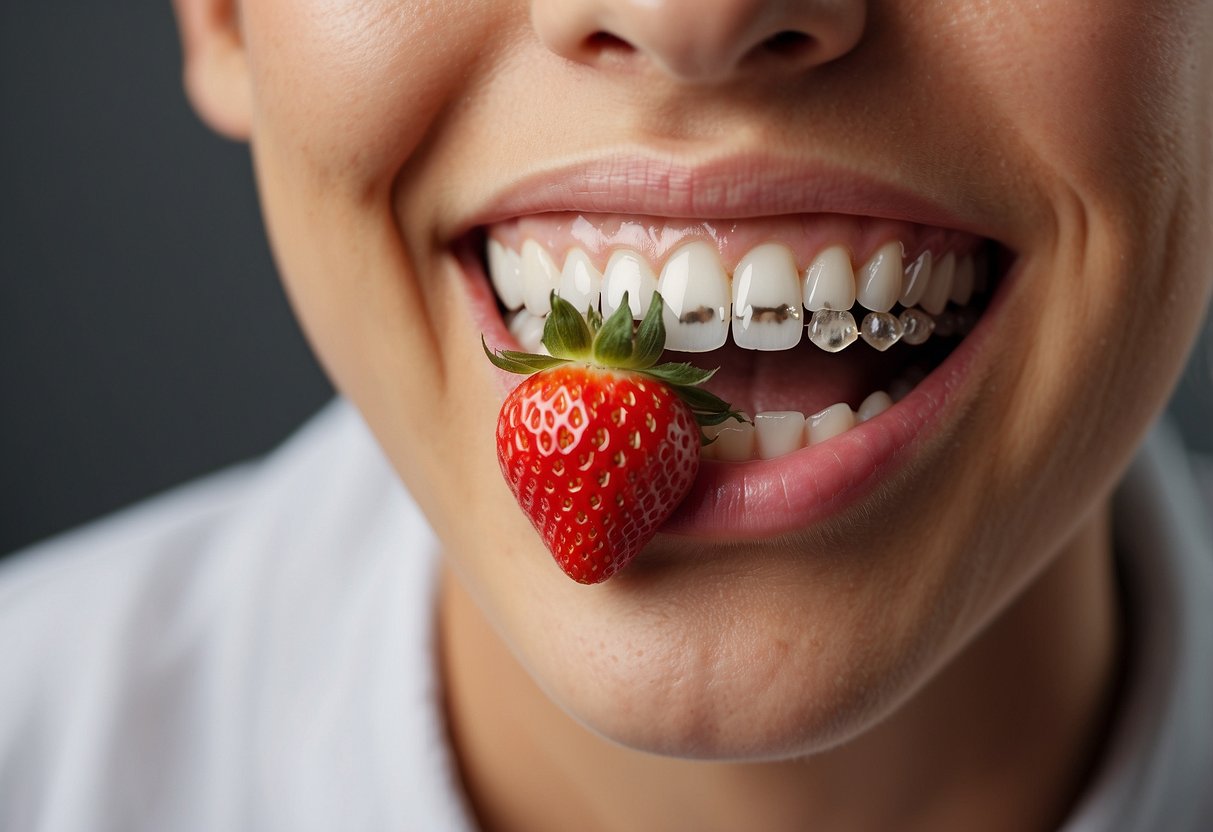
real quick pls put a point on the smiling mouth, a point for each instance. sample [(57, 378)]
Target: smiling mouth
[(817, 323)]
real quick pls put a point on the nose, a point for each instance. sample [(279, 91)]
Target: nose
[(701, 41)]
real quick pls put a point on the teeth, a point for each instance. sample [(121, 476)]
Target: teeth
[(873, 406), (779, 432), (528, 329), (627, 271), (878, 285), (767, 313), (539, 276), (834, 420), (832, 331), (764, 302), (695, 289), (880, 330), (776, 433), (914, 281), (936, 297), (580, 283), (505, 273), (962, 281), (916, 326), (734, 441), (829, 282)]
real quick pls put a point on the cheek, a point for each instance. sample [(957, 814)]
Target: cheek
[(1109, 104), (345, 95), (352, 87)]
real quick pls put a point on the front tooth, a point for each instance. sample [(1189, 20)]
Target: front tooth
[(779, 432), (878, 285), (695, 289), (539, 278), (627, 271), (874, 405), (505, 273), (829, 282), (962, 281), (528, 329), (915, 279), (766, 299), (936, 297), (580, 283), (734, 440), (835, 419)]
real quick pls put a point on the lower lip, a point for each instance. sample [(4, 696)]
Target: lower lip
[(765, 498)]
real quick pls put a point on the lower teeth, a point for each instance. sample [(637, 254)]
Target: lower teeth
[(773, 434)]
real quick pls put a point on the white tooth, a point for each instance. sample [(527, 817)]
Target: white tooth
[(528, 329), (915, 279), (580, 283), (767, 314), (936, 297), (734, 440), (627, 271), (835, 419), (539, 276), (829, 282), (695, 289), (874, 405), (962, 281), (505, 273), (779, 432), (878, 284)]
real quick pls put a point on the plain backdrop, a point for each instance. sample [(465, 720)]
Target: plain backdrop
[(144, 338)]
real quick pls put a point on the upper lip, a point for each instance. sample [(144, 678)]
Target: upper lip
[(725, 187)]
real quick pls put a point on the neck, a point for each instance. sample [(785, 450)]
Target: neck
[(1003, 737)]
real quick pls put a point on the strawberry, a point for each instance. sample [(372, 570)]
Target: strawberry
[(598, 444)]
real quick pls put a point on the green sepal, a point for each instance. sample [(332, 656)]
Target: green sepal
[(617, 343), (594, 318), (613, 346), (522, 363), (709, 409), (565, 332), (650, 336), (679, 375)]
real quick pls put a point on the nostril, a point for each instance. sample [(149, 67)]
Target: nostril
[(787, 44), (604, 43)]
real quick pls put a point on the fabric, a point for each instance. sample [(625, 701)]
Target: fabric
[(256, 651)]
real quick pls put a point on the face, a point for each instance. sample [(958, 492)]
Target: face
[(1043, 170)]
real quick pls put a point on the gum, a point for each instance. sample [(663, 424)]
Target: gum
[(656, 237)]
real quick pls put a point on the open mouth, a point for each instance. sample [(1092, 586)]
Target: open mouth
[(817, 323)]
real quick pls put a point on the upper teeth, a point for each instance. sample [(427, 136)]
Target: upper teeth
[(766, 302)]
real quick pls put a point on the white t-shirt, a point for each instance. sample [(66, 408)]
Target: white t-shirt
[(255, 652)]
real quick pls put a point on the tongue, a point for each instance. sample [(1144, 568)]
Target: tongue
[(805, 378)]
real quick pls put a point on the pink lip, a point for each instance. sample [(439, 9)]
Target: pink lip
[(770, 497), (732, 501), (732, 187)]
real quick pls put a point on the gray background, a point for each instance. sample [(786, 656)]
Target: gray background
[(143, 336)]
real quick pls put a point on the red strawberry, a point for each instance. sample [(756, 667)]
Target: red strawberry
[(599, 445)]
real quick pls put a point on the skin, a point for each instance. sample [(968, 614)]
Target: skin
[(800, 678)]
